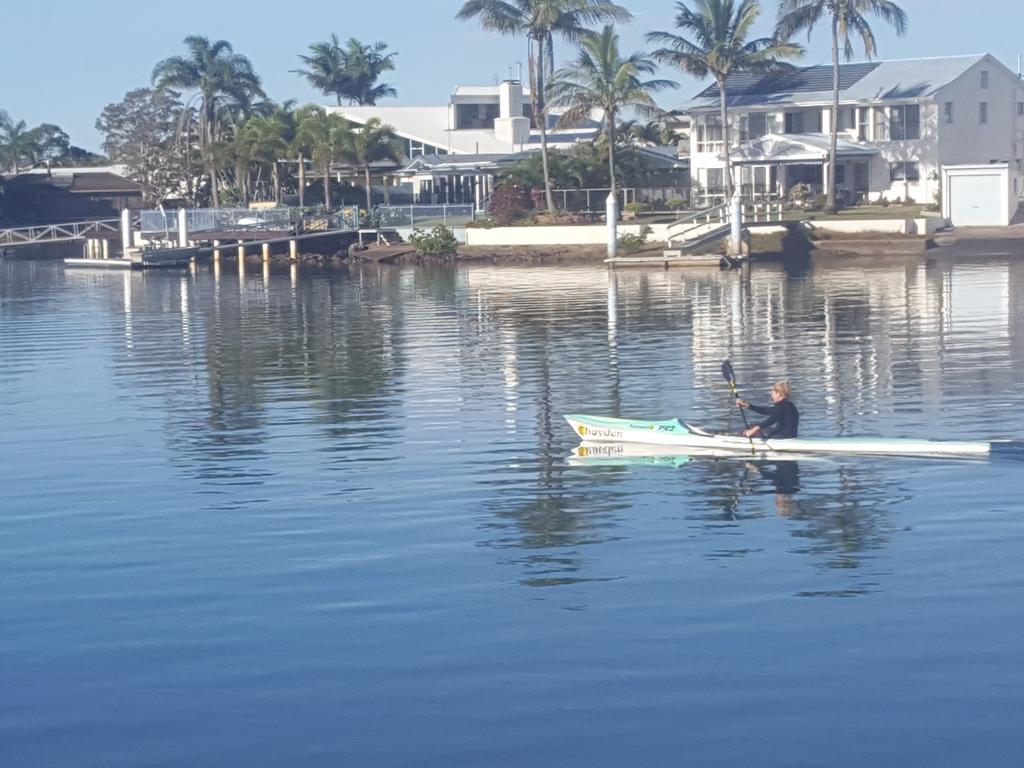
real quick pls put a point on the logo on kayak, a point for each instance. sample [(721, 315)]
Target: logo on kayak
[(583, 431)]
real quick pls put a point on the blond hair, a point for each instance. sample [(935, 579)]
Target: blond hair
[(781, 388)]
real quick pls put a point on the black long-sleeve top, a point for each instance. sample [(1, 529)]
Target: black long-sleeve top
[(783, 419)]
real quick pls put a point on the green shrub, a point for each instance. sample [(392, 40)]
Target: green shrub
[(630, 243), (636, 208), (440, 241), (675, 204)]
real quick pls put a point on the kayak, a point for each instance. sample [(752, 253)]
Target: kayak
[(603, 429)]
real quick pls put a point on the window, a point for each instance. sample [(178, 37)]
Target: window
[(709, 134), (475, 116), (904, 172), (716, 180), (840, 174), (794, 122), (881, 125), (905, 122), (845, 119), (984, 78), (1020, 107), (947, 111), (863, 124), (983, 113), (753, 126)]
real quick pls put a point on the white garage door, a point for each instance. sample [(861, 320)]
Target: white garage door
[(976, 200)]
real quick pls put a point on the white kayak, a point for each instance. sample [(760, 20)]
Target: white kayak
[(603, 429)]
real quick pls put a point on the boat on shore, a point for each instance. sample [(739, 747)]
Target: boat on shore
[(676, 434)]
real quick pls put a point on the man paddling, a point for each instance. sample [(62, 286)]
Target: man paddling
[(783, 417)]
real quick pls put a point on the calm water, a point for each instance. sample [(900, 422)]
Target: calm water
[(327, 519)]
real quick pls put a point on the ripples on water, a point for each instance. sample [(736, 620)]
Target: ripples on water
[(328, 519)]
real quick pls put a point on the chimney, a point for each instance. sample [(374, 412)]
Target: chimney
[(511, 126)]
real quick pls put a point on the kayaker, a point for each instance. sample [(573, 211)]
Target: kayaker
[(783, 417)]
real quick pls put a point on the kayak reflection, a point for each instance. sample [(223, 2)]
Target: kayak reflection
[(779, 472)]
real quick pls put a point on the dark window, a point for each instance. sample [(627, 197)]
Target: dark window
[(863, 123), (984, 78), (469, 116), (753, 126), (840, 174), (947, 111), (905, 122), (1020, 107), (904, 172), (794, 122), (716, 181), (983, 112)]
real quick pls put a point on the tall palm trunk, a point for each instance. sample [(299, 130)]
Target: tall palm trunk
[(611, 150), (275, 177), (209, 117), (541, 119), (369, 189), (830, 199), (726, 139), (302, 180), (327, 186)]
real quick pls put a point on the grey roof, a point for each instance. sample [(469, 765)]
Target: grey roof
[(453, 161), (859, 81)]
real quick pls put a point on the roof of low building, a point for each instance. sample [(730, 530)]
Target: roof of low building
[(82, 181), (858, 81)]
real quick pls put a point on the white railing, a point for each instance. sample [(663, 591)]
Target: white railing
[(701, 223), (55, 233), (216, 220), (423, 216)]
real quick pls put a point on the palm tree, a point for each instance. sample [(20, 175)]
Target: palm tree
[(720, 47), (369, 144), (847, 17), (364, 64), (539, 21), (349, 73), (17, 142), (219, 77), (326, 138), (602, 79), (325, 69)]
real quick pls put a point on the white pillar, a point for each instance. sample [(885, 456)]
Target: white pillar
[(477, 191), (611, 207), (735, 232), (126, 231), (106, 248), (182, 228)]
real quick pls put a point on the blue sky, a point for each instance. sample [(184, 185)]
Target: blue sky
[(63, 60)]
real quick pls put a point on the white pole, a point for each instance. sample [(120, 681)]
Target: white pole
[(126, 232), (611, 207), (182, 228), (735, 233)]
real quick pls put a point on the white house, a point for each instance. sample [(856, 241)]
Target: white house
[(478, 122), (946, 130)]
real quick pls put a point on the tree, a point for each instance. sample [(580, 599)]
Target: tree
[(326, 138), (847, 18), (325, 69), (219, 79), (52, 142), (540, 21), (364, 64), (720, 47), (348, 73), (602, 79), (141, 132), (369, 144), (17, 143)]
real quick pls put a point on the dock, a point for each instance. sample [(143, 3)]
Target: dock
[(667, 259)]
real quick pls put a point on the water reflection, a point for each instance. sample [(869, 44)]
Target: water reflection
[(366, 373)]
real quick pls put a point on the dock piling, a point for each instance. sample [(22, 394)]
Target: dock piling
[(293, 250)]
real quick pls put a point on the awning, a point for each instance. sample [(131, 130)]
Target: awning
[(794, 149)]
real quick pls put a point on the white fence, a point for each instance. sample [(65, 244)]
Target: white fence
[(423, 216)]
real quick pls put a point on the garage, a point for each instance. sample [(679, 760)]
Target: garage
[(976, 195)]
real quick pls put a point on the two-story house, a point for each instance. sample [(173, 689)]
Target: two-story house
[(479, 126), (946, 130)]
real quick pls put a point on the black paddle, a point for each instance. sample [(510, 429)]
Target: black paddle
[(730, 376)]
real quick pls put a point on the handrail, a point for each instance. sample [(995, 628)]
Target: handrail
[(706, 212), (49, 233)]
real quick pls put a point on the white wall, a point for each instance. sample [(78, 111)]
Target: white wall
[(592, 234), (966, 140)]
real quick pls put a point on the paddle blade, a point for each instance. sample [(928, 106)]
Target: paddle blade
[(727, 372)]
